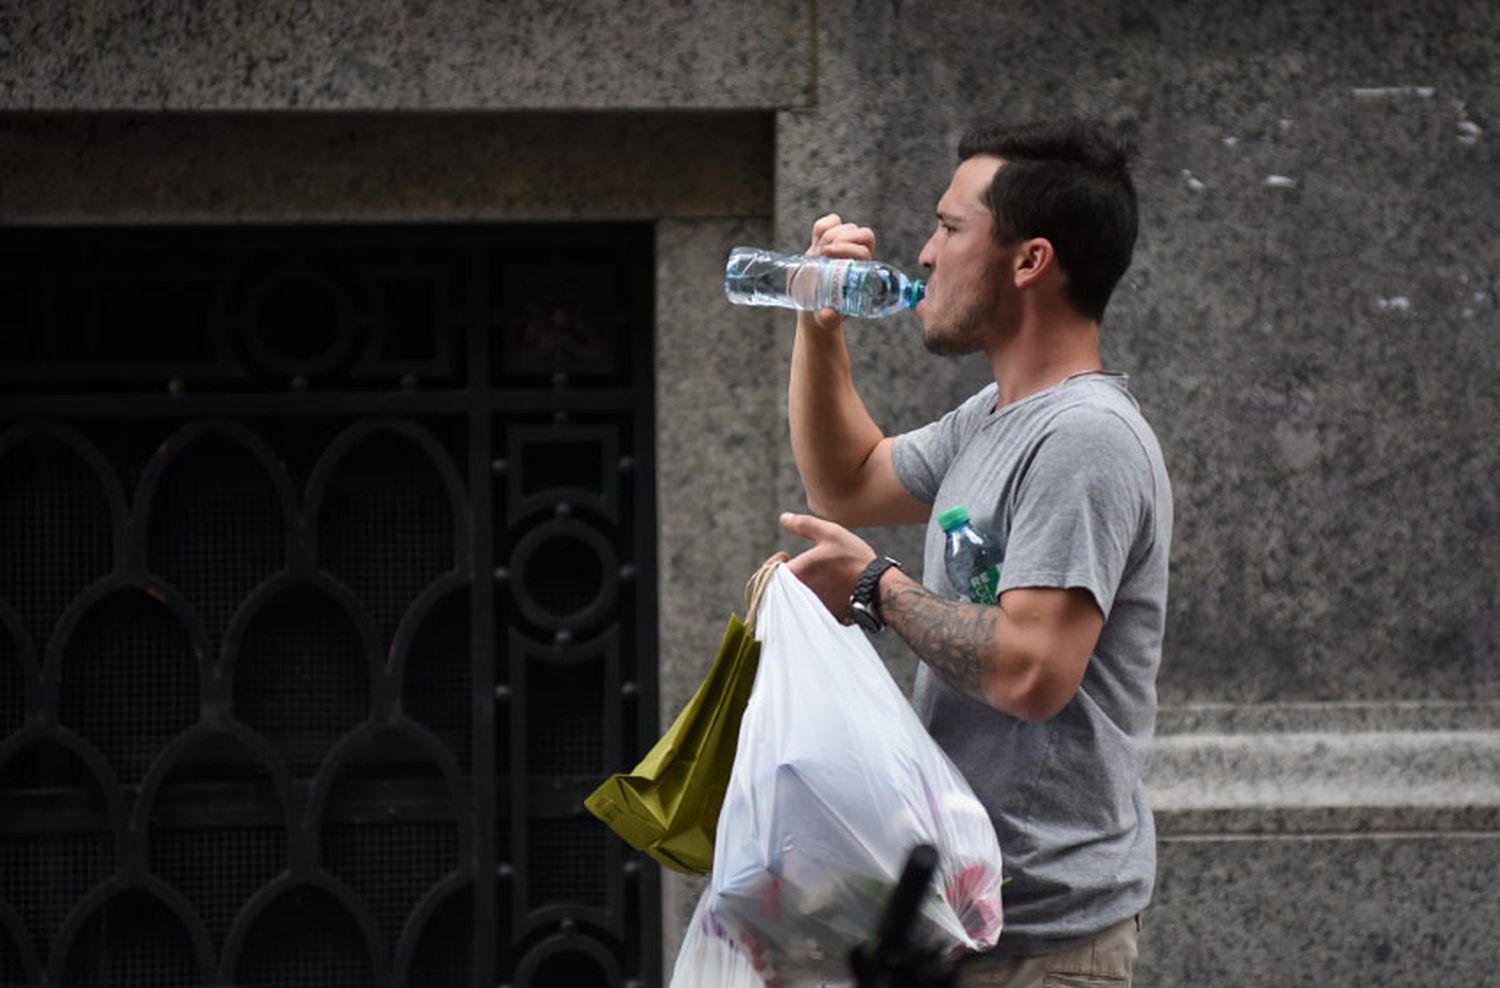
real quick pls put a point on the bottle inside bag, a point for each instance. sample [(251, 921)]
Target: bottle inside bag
[(971, 558)]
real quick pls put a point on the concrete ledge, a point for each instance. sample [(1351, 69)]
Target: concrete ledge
[(316, 167), (1272, 718), (1324, 844), (1276, 780), (1320, 783)]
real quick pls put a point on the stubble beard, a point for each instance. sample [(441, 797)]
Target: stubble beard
[(962, 335), (958, 340)]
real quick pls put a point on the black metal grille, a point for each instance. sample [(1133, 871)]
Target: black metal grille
[(444, 948), (436, 682), (215, 503), (128, 681), (302, 678), (134, 941), (306, 938), (323, 604), (45, 487), (218, 869)]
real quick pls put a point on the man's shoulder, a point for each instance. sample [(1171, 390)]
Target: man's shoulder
[(1102, 411), (1099, 431)]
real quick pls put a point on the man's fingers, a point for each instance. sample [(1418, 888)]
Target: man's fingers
[(827, 318), (807, 527), (861, 235), (795, 525), (832, 237), (846, 249), (822, 226), (848, 231)]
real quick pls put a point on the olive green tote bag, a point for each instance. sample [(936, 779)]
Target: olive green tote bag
[(668, 805)]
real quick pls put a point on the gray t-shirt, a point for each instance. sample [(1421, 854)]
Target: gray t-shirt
[(1071, 481)]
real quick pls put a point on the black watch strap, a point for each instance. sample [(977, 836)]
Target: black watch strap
[(864, 606)]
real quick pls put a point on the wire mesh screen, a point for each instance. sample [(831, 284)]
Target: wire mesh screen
[(306, 938), (436, 684), (132, 941), (218, 869), (322, 605), (302, 675), (216, 503), (128, 680), (444, 951), (13, 679), (52, 507)]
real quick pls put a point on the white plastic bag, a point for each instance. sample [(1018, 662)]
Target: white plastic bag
[(708, 958), (834, 781)]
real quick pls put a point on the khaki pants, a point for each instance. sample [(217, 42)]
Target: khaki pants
[(1103, 962)]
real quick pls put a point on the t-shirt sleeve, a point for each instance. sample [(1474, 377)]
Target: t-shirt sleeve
[(922, 457), (1080, 507)]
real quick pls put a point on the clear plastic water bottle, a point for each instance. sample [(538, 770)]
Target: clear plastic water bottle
[(809, 281), (972, 558)]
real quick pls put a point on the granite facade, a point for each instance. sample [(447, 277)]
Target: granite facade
[(1312, 324), (1342, 911), (404, 55)]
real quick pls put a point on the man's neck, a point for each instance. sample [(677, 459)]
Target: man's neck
[(1046, 350)]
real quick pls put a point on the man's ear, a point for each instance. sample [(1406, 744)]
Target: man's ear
[(1035, 259)]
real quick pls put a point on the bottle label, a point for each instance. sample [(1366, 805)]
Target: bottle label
[(984, 586), (841, 273)]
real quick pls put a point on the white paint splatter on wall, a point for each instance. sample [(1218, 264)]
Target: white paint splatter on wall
[(1390, 92)]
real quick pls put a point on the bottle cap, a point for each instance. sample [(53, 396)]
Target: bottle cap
[(915, 293), (953, 517)]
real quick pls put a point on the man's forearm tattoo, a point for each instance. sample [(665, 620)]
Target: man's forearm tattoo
[(956, 638)]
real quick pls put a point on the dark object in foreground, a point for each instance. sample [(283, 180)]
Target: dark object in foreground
[(894, 960)]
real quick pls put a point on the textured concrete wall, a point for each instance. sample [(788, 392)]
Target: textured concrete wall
[(1312, 318), (403, 54), (1312, 324), (717, 407)]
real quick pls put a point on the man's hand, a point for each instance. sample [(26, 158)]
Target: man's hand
[(832, 566), (832, 237)]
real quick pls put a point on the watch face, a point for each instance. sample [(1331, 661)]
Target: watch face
[(859, 613)]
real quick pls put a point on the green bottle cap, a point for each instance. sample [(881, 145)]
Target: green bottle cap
[(953, 517)]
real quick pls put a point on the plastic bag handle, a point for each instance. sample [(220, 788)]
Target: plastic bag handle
[(755, 588)]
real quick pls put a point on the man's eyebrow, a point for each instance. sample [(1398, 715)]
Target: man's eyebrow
[(947, 215)]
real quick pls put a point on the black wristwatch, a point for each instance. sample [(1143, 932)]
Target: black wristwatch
[(864, 607)]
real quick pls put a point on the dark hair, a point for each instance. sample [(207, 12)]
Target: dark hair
[(1070, 183)]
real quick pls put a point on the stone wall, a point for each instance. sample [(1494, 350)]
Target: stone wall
[(388, 55), (1312, 324)]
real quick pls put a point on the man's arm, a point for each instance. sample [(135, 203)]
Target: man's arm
[(842, 456), (1025, 657)]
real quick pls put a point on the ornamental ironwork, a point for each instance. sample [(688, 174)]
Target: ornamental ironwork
[(326, 594)]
